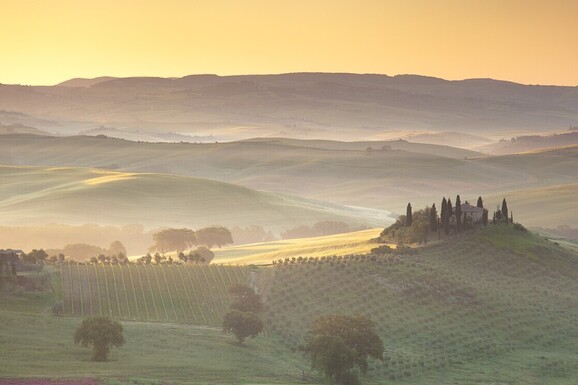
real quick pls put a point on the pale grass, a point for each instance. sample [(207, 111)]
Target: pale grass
[(265, 253)]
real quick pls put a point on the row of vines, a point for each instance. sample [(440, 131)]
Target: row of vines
[(167, 293)]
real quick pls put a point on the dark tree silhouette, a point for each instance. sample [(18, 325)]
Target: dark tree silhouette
[(245, 299), (100, 332), (337, 343), (485, 217), (433, 218), (458, 213), (445, 220), (504, 210), (408, 216), (242, 324), (480, 203)]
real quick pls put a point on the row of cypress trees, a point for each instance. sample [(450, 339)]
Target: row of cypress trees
[(452, 217)]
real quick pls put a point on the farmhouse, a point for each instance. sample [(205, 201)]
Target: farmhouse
[(473, 213)]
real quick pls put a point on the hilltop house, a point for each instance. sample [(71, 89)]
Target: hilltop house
[(472, 213)]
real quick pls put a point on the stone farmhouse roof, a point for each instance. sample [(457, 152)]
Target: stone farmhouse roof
[(468, 208)]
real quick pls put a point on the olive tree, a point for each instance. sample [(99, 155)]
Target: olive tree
[(338, 343), (100, 332), (242, 324)]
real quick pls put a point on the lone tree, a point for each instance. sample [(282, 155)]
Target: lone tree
[(100, 332), (408, 216), (339, 343), (242, 324), (242, 319)]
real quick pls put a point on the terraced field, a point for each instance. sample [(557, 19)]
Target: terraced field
[(165, 293)]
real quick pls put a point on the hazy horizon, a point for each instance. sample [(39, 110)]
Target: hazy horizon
[(47, 43), (225, 75)]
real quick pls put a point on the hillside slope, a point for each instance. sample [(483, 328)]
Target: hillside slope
[(30, 195), (497, 306), (265, 253), (340, 172)]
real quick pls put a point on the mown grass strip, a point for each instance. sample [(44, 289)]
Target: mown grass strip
[(150, 291), (160, 290), (125, 291), (190, 272), (71, 289), (116, 291), (176, 290), (89, 288), (169, 291), (80, 291), (110, 313), (128, 267), (186, 291), (98, 290)]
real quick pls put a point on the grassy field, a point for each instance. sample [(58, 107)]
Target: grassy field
[(36, 344), (498, 306), (267, 252), (40, 195)]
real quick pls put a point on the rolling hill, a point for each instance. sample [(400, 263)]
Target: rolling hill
[(345, 173), (303, 105), (31, 195)]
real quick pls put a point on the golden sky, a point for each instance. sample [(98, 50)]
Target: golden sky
[(527, 41)]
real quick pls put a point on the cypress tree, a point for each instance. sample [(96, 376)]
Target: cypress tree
[(444, 211), (485, 217), (505, 210), (458, 212), (444, 216), (449, 213), (433, 218), (408, 216), (480, 203)]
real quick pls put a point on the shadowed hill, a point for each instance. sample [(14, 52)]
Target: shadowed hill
[(75, 196), (305, 105)]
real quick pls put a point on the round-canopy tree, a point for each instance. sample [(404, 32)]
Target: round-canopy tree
[(242, 324), (214, 235), (100, 332), (337, 343)]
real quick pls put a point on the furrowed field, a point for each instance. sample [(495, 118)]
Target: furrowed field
[(166, 293)]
